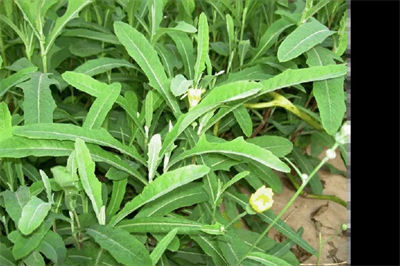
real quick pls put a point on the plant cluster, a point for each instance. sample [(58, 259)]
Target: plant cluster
[(130, 130)]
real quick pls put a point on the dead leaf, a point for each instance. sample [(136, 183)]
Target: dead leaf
[(320, 210)]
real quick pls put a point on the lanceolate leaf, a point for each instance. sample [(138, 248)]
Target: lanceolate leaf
[(125, 248), (243, 118), (279, 146), (271, 36), (266, 259), (38, 103), (186, 195), (100, 65), (328, 93), (118, 192), (90, 183), (235, 148), (302, 39), (93, 35), (161, 186), (210, 247), (162, 246), (101, 106), (33, 214), (18, 147), (5, 117), (70, 132), (185, 49), (153, 154), (202, 47), (146, 57)]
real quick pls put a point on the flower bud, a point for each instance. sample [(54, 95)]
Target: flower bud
[(304, 177), (344, 227), (341, 136), (194, 97), (262, 200), (330, 154)]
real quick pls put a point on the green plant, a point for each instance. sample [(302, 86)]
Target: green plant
[(137, 120)]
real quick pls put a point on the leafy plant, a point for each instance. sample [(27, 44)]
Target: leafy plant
[(126, 126)]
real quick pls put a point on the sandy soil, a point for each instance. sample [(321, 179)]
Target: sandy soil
[(328, 222)]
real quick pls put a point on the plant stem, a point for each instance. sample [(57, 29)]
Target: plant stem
[(236, 218), (281, 101), (303, 185)]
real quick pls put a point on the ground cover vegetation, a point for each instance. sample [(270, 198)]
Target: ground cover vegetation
[(132, 130)]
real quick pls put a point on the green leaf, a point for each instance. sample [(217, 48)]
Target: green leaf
[(90, 183), (243, 118), (180, 85), (14, 79), (270, 37), (72, 12), (23, 245), (70, 132), (186, 195), (210, 247), (161, 225), (5, 118), (236, 148), (153, 155), (231, 32), (279, 146), (1, 62), (15, 201), (155, 16), (303, 39), (53, 247), (243, 48), (6, 257), (33, 214), (185, 49), (314, 9), (328, 93), (266, 259), (86, 48), (92, 35), (202, 47), (218, 96), (34, 259), (148, 109), (38, 103), (125, 248), (118, 192), (18, 147), (100, 65), (161, 186), (342, 47), (234, 179), (146, 57), (20, 64), (47, 186), (291, 77), (101, 106), (162, 246)]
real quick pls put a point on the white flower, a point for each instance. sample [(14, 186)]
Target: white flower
[(341, 136), (330, 154), (194, 96), (262, 200)]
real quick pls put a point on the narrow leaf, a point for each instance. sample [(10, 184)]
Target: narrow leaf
[(146, 57), (125, 248), (90, 183), (101, 65), (148, 108), (266, 259), (33, 214), (238, 148), (161, 186), (180, 85), (279, 146), (162, 246), (210, 247), (6, 257), (202, 46), (15, 201), (101, 106), (302, 39), (14, 79), (53, 247), (185, 49), (118, 192), (153, 155), (243, 118)]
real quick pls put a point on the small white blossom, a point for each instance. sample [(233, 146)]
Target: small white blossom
[(262, 200), (330, 154)]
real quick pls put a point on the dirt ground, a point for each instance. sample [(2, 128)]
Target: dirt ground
[(328, 222)]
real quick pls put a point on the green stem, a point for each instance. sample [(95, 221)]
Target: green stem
[(236, 218), (303, 185), (320, 248), (281, 101)]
